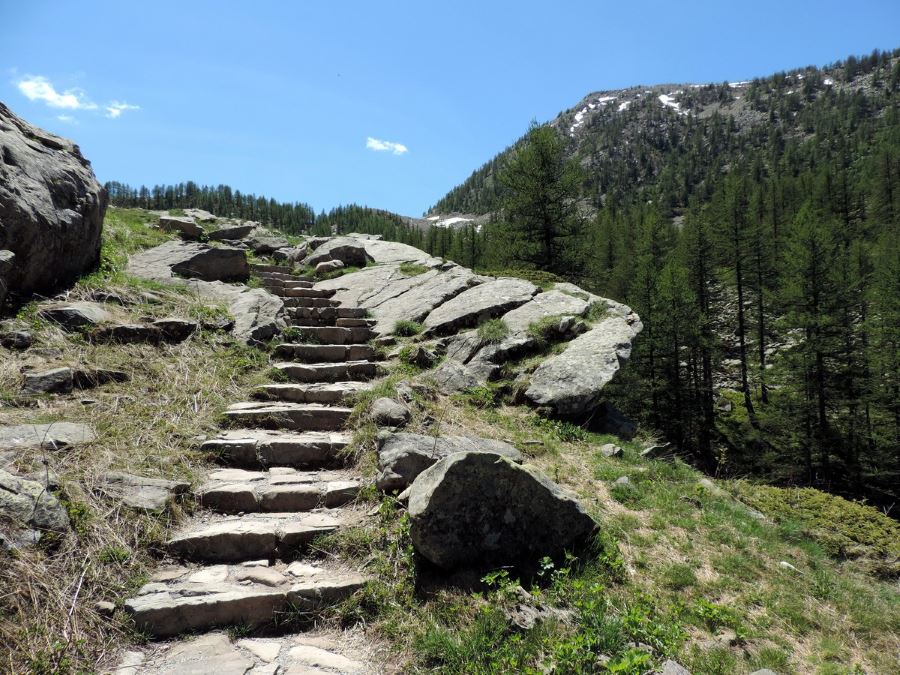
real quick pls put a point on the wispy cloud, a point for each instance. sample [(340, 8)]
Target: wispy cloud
[(39, 88), (386, 146), (114, 109)]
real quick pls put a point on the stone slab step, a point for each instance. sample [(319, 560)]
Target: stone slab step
[(328, 372), (280, 489), (334, 335), (286, 283), (263, 270), (292, 416), (216, 654), (186, 599), (329, 312), (262, 448), (356, 323), (315, 353), (312, 392), (310, 302), (307, 292), (252, 536)]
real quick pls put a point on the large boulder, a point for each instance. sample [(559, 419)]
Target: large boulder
[(258, 314), (186, 227), (264, 244), (28, 511), (233, 232), (175, 259), (478, 510), (75, 315), (569, 384), (53, 436), (7, 259), (140, 492), (543, 305), (485, 301), (51, 207), (350, 251), (402, 456)]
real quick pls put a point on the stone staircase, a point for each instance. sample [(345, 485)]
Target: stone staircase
[(281, 485)]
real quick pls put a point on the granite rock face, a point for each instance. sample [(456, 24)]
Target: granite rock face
[(190, 260), (348, 250), (570, 383), (51, 207), (485, 301), (477, 509)]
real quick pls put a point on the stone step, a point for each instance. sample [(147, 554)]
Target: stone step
[(292, 416), (313, 392), (252, 536), (329, 312), (287, 283), (311, 323), (262, 270), (315, 353), (277, 490), (216, 654), (334, 335), (309, 302), (355, 323), (328, 372), (262, 448), (188, 599), (283, 276), (307, 292)]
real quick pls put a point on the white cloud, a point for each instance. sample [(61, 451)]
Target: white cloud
[(114, 109), (68, 119), (386, 146), (38, 88)]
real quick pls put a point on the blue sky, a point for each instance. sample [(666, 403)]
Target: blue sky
[(282, 98)]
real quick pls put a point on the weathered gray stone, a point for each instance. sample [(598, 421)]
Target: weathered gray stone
[(7, 260), (232, 232), (348, 250), (29, 510), (51, 207), (480, 509), (485, 301), (184, 226), (257, 313), (54, 381), (452, 376), (75, 315), (387, 412), (292, 255), (54, 436), (262, 244), (15, 335), (671, 667), (190, 260), (570, 383), (764, 671), (141, 492), (174, 329), (610, 450), (662, 451), (88, 378), (403, 456), (127, 333), (543, 305), (327, 266)]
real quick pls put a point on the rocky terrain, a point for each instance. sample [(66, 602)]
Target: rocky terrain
[(228, 450)]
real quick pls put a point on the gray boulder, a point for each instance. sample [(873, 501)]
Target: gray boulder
[(327, 266), (190, 259), (74, 315), (477, 304), (15, 335), (232, 232), (140, 492), (570, 383), (477, 509), (51, 207), (387, 412), (543, 305), (54, 381), (453, 376), (257, 313), (292, 255), (7, 259), (186, 227), (671, 667), (402, 456), (53, 436), (200, 215), (266, 245), (611, 450), (350, 251), (28, 510)]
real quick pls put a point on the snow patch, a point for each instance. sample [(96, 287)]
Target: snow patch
[(669, 102), (623, 106), (742, 83), (448, 222), (828, 81)]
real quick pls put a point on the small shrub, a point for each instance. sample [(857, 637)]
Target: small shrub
[(493, 331), (564, 431), (412, 269), (407, 328), (544, 331), (596, 312)]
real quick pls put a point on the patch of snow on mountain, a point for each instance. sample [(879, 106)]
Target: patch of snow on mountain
[(433, 218), (668, 101), (448, 222), (623, 106), (742, 83), (828, 81)]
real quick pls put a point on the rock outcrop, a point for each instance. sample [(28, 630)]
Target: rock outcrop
[(475, 305), (480, 509), (190, 260), (570, 383), (51, 207), (28, 511)]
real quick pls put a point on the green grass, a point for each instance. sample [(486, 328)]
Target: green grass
[(412, 269), (493, 331), (540, 278), (407, 328)]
